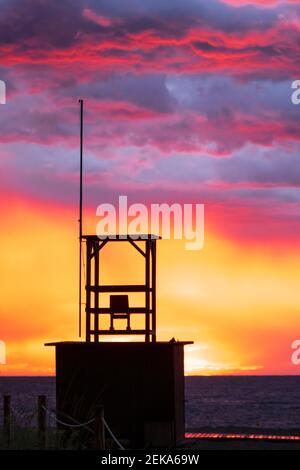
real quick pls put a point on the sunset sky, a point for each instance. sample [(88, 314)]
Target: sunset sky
[(186, 101)]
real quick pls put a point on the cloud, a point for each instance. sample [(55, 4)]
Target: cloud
[(183, 38), (260, 3), (98, 19), (179, 97)]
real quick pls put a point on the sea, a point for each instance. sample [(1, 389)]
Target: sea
[(211, 403)]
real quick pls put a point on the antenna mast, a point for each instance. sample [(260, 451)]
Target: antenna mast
[(80, 211)]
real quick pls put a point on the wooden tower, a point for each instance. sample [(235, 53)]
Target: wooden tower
[(139, 384)]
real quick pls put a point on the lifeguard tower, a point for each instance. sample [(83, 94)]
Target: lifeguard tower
[(119, 308), (139, 384)]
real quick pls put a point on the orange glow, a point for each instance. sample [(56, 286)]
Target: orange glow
[(198, 435), (239, 305)]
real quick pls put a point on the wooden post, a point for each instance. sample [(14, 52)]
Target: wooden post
[(99, 428), (42, 402), (153, 286), (7, 419), (147, 292), (88, 291), (96, 293)]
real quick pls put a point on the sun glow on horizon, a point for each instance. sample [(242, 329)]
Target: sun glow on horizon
[(230, 301)]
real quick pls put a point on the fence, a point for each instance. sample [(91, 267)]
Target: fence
[(97, 426)]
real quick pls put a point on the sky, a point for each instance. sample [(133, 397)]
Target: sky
[(186, 101)]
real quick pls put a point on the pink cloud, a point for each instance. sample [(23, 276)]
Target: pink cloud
[(262, 3), (96, 18)]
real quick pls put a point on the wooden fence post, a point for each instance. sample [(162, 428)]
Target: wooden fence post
[(42, 403), (7, 419)]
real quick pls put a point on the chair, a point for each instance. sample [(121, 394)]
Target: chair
[(119, 309)]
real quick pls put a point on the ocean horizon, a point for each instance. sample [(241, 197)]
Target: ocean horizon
[(222, 403)]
